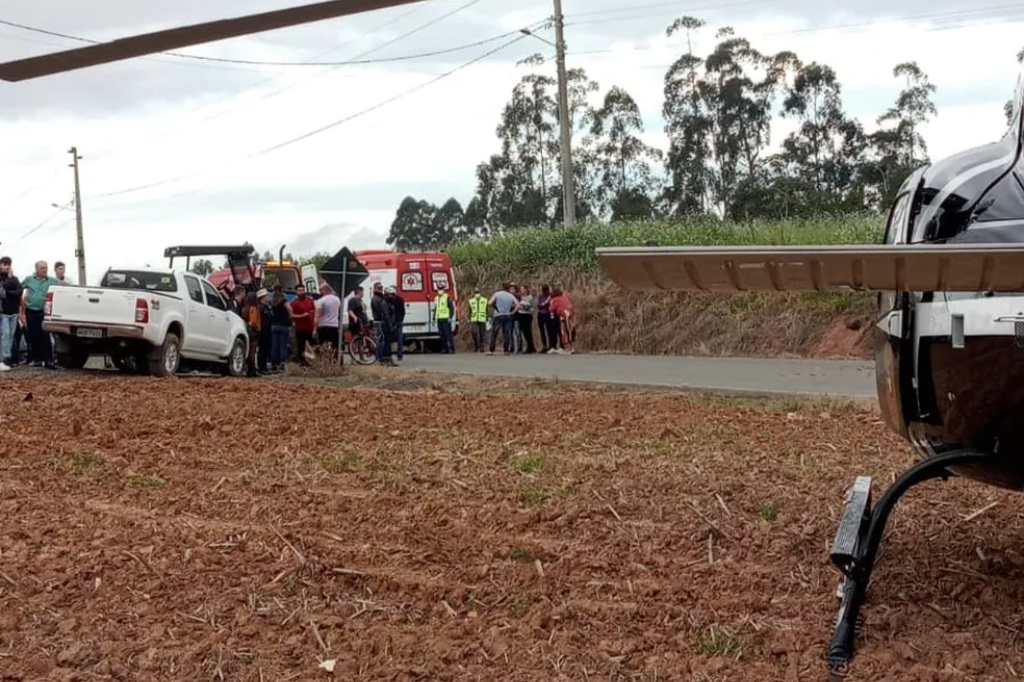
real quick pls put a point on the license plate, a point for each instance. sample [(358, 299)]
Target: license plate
[(89, 333)]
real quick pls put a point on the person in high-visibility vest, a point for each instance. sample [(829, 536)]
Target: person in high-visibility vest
[(478, 320), (443, 313)]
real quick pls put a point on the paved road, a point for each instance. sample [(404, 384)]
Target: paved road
[(842, 378), (854, 379)]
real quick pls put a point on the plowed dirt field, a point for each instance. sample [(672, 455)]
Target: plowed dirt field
[(199, 529)]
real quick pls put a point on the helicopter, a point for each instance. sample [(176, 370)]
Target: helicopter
[(949, 275), (948, 340)]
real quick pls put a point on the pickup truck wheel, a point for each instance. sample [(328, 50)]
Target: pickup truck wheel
[(165, 359), (235, 366)]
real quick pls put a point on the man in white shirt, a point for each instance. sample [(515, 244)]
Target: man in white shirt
[(59, 272), (327, 319)]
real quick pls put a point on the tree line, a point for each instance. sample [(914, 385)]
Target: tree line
[(718, 110)]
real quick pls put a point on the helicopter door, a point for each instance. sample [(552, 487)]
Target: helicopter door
[(894, 344)]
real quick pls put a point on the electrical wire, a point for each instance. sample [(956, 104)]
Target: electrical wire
[(356, 60), (583, 52), (209, 105), (39, 185), (257, 62), (157, 59), (274, 93), (317, 131), (405, 93), (42, 224)]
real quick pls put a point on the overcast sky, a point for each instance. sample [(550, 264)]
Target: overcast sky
[(193, 129)]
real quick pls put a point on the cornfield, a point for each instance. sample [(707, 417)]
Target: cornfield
[(617, 321), (530, 249)]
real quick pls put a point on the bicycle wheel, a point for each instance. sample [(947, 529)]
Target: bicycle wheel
[(363, 350)]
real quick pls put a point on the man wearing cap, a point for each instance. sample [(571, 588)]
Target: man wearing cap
[(264, 318)]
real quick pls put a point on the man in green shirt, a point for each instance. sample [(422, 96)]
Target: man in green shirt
[(40, 351)]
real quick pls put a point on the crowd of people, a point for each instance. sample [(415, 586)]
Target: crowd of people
[(512, 311), (22, 303), (271, 318), (318, 325), (387, 309)]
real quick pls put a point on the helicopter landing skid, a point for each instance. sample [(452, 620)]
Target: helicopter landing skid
[(859, 535)]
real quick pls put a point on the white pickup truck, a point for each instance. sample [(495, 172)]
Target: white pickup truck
[(150, 320)]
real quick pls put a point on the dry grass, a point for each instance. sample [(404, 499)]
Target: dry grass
[(613, 320)]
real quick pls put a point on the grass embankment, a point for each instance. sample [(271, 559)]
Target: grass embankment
[(617, 321)]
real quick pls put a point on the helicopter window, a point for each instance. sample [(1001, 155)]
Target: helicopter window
[(896, 219), (1018, 104)]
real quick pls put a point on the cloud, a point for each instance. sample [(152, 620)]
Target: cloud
[(194, 132), (330, 238)]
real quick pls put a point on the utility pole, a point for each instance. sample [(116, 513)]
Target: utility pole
[(80, 246), (564, 126)]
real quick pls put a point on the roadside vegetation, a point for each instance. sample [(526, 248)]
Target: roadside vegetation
[(651, 323)]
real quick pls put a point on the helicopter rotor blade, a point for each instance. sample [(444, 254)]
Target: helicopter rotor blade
[(184, 36), (862, 267)]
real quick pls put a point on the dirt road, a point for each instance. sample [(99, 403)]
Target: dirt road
[(741, 375), (244, 530)]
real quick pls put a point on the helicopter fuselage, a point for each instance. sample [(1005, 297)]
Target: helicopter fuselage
[(950, 366)]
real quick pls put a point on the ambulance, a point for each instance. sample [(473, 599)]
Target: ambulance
[(417, 276)]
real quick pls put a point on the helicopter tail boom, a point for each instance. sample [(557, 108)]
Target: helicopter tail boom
[(862, 267)]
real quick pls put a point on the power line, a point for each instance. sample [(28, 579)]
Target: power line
[(43, 223), (274, 93), (113, 150), (319, 130), (202, 65), (39, 185), (258, 62), (410, 91)]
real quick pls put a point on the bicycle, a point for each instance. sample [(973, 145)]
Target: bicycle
[(363, 348)]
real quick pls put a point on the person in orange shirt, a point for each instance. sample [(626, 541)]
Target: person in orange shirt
[(561, 310), (252, 317)]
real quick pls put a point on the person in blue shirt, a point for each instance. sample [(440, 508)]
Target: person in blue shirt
[(505, 306)]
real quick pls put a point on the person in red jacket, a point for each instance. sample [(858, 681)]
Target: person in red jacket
[(304, 317), (561, 310)]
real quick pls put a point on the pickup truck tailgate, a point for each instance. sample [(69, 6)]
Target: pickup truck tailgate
[(93, 306)]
